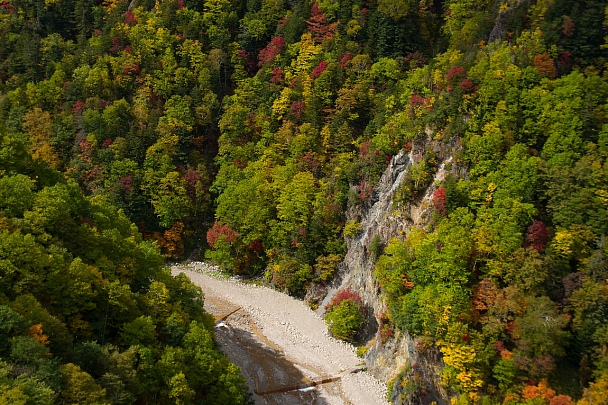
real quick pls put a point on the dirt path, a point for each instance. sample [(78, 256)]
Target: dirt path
[(280, 343)]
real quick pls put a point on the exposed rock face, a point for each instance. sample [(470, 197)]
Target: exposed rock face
[(414, 366), (380, 219)]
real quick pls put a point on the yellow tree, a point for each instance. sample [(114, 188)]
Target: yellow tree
[(38, 125)]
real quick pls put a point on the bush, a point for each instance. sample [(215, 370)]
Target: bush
[(344, 320), (291, 276), (376, 248), (345, 315), (352, 228), (326, 267)]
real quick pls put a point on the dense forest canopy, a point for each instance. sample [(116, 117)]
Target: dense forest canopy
[(245, 129), (88, 315)]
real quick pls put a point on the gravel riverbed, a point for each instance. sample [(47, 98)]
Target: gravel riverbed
[(276, 337)]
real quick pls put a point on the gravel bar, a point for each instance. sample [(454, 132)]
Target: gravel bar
[(293, 327)]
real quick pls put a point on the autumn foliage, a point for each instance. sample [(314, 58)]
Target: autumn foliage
[(317, 71), (171, 241), (345, 314), (319, 26), (544, 392), (274, 47), (439, 201), (345, 294), (218, 231), (545, 65), (537, 235), (268, 128)]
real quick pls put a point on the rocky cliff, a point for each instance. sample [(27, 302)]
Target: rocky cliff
[(410, 363)]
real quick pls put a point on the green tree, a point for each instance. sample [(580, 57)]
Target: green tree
[(80, 387), (345, 319)]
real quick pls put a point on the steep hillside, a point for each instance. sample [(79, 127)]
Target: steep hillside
[(88, 315), (503, 281)]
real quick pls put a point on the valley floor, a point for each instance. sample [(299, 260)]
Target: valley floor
[(281, 345)]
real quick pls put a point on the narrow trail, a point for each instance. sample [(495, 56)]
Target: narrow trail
[(283, 348)]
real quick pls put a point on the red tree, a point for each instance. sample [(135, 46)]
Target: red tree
[(106, 143), (467, 86), (318, 25), (416, 100), (274, 47), (439, 198), (347, 57), (126, 183), (129, 18), (78, 107), (455, 72), (277, 76), (115, 44), (321, 67), (537, 236), (218, 230), (297, 110), (192, 177)]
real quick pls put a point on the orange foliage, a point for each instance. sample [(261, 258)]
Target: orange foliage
[(170, 242), (561, 400), (506, 354), (35, 331), (511, 397), (319, 26), (484, 295), (544, 64), (406, 283), (542, 390)]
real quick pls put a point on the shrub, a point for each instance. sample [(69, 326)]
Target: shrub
[(326, 267), (345, 319), (385, 329), (291, 276), (376, 248), (344, 295), (352, 228), (345, 315)]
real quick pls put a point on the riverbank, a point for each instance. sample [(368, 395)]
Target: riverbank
[(280, 343)]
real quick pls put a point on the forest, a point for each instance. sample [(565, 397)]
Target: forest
[(138, 132)]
